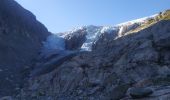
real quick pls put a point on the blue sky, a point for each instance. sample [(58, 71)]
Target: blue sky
[(63, 15)]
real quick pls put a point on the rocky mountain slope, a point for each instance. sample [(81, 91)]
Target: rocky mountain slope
[(21, 37), (128, 61), (123, 62)]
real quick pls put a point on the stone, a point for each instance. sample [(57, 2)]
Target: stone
[(21, 37), (6, 98), (122, 57), (119, 92), (133, 59), (137, 92), (75, 40)]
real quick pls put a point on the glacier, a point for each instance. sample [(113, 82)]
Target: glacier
[(57, 42), (53, 43)]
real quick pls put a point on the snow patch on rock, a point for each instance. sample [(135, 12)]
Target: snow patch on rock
[(139, 21)]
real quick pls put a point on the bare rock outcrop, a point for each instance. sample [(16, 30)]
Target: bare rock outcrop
[(136, 60), (21, 37)]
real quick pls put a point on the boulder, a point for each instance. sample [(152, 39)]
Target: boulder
[(138, 92), (6, 98)]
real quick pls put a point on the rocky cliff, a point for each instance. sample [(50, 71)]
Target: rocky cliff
[(21, 37), (128, 61)]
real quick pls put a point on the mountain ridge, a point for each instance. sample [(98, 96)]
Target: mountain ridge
[(91, 32), (124, 66), (130, 61), (20, 41)]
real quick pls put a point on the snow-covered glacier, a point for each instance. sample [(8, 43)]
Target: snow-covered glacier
[(57, 41), (93, 33), (53, 43)]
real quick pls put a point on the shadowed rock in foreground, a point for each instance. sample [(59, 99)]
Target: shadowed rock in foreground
[(21, 37)]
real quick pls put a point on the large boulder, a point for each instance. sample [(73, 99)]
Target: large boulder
[(140, 92)]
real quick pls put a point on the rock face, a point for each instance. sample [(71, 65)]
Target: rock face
[(75, 40), (140, 92), (137, 58), (134, 54), (21, 37)]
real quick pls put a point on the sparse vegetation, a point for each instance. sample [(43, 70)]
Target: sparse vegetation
[(166, 15), (161, 16)]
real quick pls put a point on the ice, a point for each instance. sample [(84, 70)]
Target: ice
[(141, 20), (92, 33), (53, 42), (57, 42)]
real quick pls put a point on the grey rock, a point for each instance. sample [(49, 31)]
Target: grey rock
[(75, 40), (137, 92), (162, 34), (21, 37), (160, 93), (118, 92), (140, 92), (48, 66), (100, 74), (118, 60), (6, 98)]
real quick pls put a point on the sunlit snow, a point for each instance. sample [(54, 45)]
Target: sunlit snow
[(141, 20), (57, 42)]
